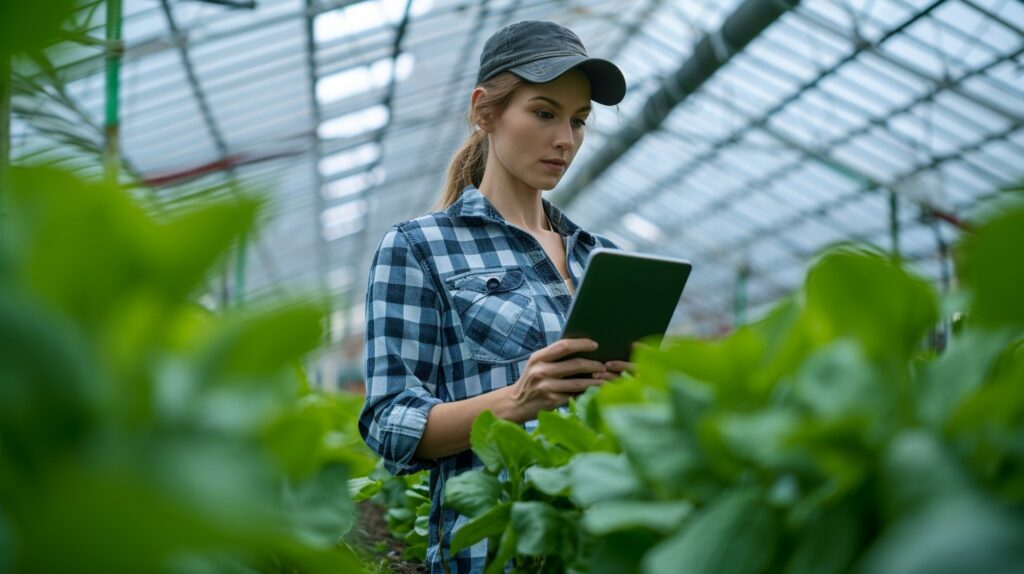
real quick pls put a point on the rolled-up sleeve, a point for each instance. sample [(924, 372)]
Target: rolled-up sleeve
[(403, 353)]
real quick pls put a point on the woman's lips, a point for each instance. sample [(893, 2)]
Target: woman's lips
[(559, 167)]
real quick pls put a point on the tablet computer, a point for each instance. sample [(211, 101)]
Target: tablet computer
[(624, 297)]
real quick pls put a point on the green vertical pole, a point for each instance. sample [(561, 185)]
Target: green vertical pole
[(739, 307), (111, 124)]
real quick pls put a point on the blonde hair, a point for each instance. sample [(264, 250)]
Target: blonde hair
[(467, 165)]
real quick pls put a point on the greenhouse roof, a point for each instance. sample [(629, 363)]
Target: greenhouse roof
[(879, 120)]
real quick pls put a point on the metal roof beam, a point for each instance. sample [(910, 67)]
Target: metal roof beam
[(712, 52), (317, 145), (737, 135), (874, 48)]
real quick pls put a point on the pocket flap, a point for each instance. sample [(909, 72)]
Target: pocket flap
[(490, 281)]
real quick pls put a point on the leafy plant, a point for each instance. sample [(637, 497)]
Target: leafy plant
[(140, 432), (822, 438)]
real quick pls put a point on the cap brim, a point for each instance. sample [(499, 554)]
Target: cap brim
[(607, 84)]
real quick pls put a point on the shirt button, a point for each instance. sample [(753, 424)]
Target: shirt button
[(493, 283)]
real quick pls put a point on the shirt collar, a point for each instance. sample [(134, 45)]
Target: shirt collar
[(473, 206)]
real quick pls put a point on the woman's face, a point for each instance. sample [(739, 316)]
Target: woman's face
[(542, 125)]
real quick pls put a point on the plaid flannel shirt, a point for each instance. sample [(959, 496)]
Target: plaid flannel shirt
[(456, 302)]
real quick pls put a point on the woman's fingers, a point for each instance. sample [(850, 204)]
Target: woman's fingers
[(571, 387), (577, 366), (620, 366), (563, 348)]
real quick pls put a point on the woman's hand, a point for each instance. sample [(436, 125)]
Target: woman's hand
[(549, 380)]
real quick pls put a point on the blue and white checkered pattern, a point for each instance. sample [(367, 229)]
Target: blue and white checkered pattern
[(456, 302)]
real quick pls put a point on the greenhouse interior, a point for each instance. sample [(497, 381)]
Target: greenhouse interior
[(245, 328)]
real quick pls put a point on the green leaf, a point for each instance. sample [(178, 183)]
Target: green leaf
[(862, 294), (364, 488), (551, 481), (658, 449), (735, 534), (29, 26), (506, 549), (330, 560), (839, 450), (472, 492), (502, 444), (50, 395), (416, 551), (761, 437), (915, 454), (102, 273), (602, 476), (987, 427), (192, 242), (112, 520), (490, 523), (618, 553), (262, 343), (616, 515), (570, 433), (947, 381), (994, 267), (958, 535), (838, 379), (691, 399), (726, 363), (319, 509), (540, 529), (621, 392), (422, 525), (401, 521), (293, 438), (739, 370), (829, 542), (481, 438), (6, 545)]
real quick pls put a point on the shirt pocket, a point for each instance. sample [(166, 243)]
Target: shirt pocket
[(497, 313)]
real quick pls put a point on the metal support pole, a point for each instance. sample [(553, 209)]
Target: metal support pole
[(739, 307), (320, 243), (711, 53), (894, 224), (111, 125)]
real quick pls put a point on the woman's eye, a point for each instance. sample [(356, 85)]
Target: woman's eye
[(579, 123)]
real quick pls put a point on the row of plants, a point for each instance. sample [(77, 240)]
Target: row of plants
[(141, 432), (823, 438), (405, 501)]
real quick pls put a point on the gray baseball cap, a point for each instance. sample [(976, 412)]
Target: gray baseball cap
[(539, 52)]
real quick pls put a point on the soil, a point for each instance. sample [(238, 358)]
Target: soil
[(371, 539)]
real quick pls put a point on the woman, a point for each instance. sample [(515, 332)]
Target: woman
[(465, 305)]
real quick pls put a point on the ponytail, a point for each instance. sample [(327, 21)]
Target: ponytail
[(467, 165)]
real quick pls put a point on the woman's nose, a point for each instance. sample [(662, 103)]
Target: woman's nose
[(565, 138)]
